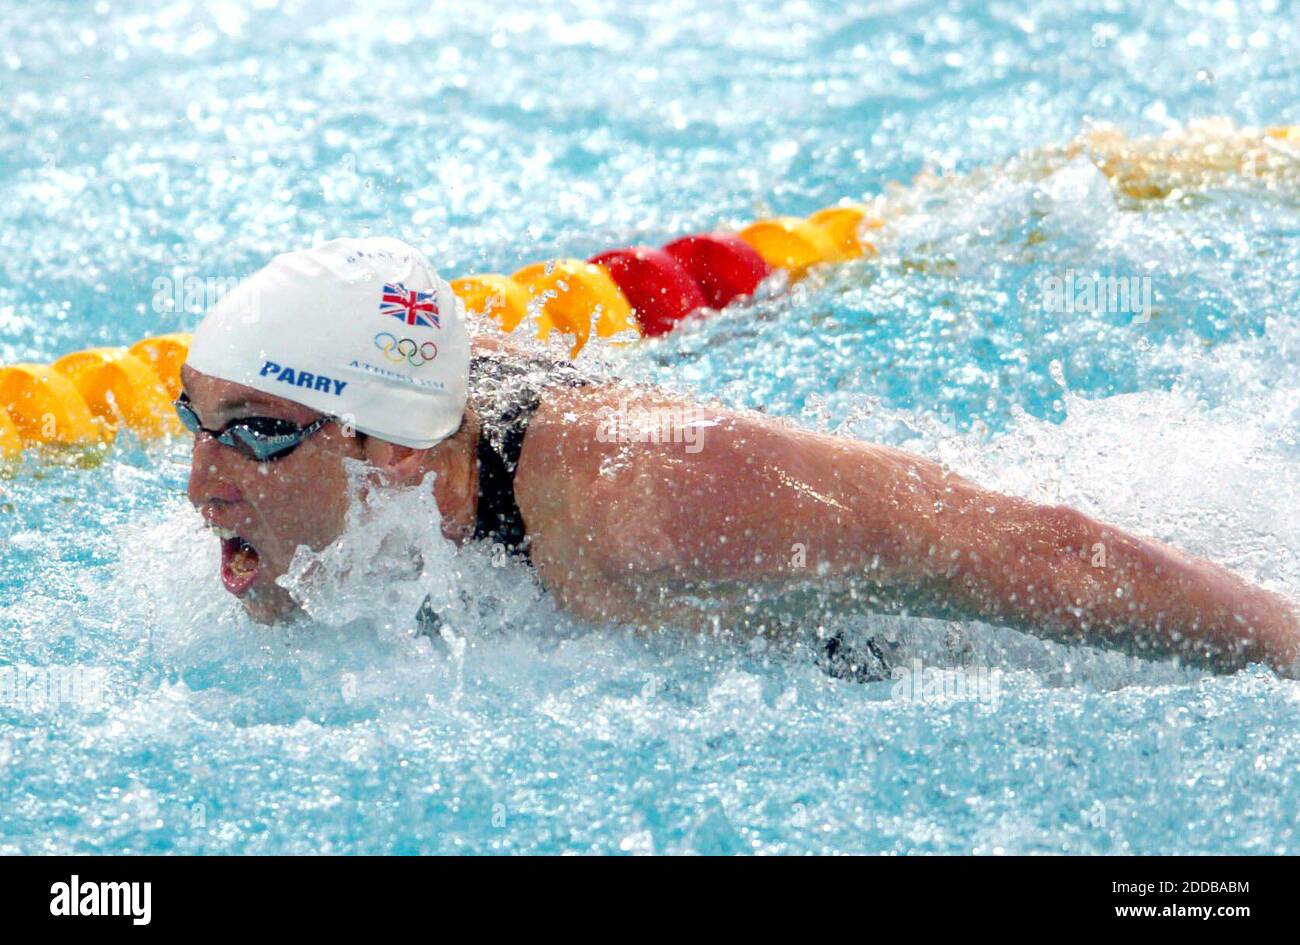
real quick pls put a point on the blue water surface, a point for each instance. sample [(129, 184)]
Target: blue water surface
[(141, 713)]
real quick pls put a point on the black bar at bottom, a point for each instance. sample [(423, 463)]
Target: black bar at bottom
[(303, 894)]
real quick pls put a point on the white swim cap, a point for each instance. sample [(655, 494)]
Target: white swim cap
[(362, 329)]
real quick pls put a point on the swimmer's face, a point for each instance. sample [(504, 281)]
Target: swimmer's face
[(264, 511)]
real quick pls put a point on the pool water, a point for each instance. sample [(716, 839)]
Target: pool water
[(141, 712)]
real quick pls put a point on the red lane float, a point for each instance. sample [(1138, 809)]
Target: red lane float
[(722, 265), (660, 289)]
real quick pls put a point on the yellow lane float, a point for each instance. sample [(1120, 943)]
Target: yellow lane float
[(792, 244), (568, 292), (165, 354), (116, 385), (495, 296), (846, 225), (11, 441), (46, 407)]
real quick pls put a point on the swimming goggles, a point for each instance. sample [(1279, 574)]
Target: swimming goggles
[(263, 439)]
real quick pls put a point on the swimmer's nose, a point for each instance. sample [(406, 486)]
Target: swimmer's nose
[(207, 481)]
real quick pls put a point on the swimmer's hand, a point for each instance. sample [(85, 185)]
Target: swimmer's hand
[(622, 525)]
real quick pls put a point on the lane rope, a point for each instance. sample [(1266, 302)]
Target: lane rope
[(84, 398)]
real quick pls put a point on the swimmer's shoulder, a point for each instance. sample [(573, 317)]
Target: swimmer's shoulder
[(494, 345)]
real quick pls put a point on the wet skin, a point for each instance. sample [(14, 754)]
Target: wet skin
[(626, 531)]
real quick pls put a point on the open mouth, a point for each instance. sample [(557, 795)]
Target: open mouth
[(240, 562)]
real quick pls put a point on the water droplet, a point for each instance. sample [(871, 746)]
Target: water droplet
[(1058, 374)]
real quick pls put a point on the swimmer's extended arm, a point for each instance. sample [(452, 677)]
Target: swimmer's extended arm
[(755, 502)]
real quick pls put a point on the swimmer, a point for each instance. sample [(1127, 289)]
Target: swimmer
[(633, 505)]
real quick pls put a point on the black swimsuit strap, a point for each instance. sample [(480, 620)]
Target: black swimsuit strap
[(499, 519), (507, 392)]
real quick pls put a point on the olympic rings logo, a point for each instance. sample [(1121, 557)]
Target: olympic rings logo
[(398, 350)]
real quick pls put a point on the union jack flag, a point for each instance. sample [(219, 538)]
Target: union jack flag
[(412, 307)]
